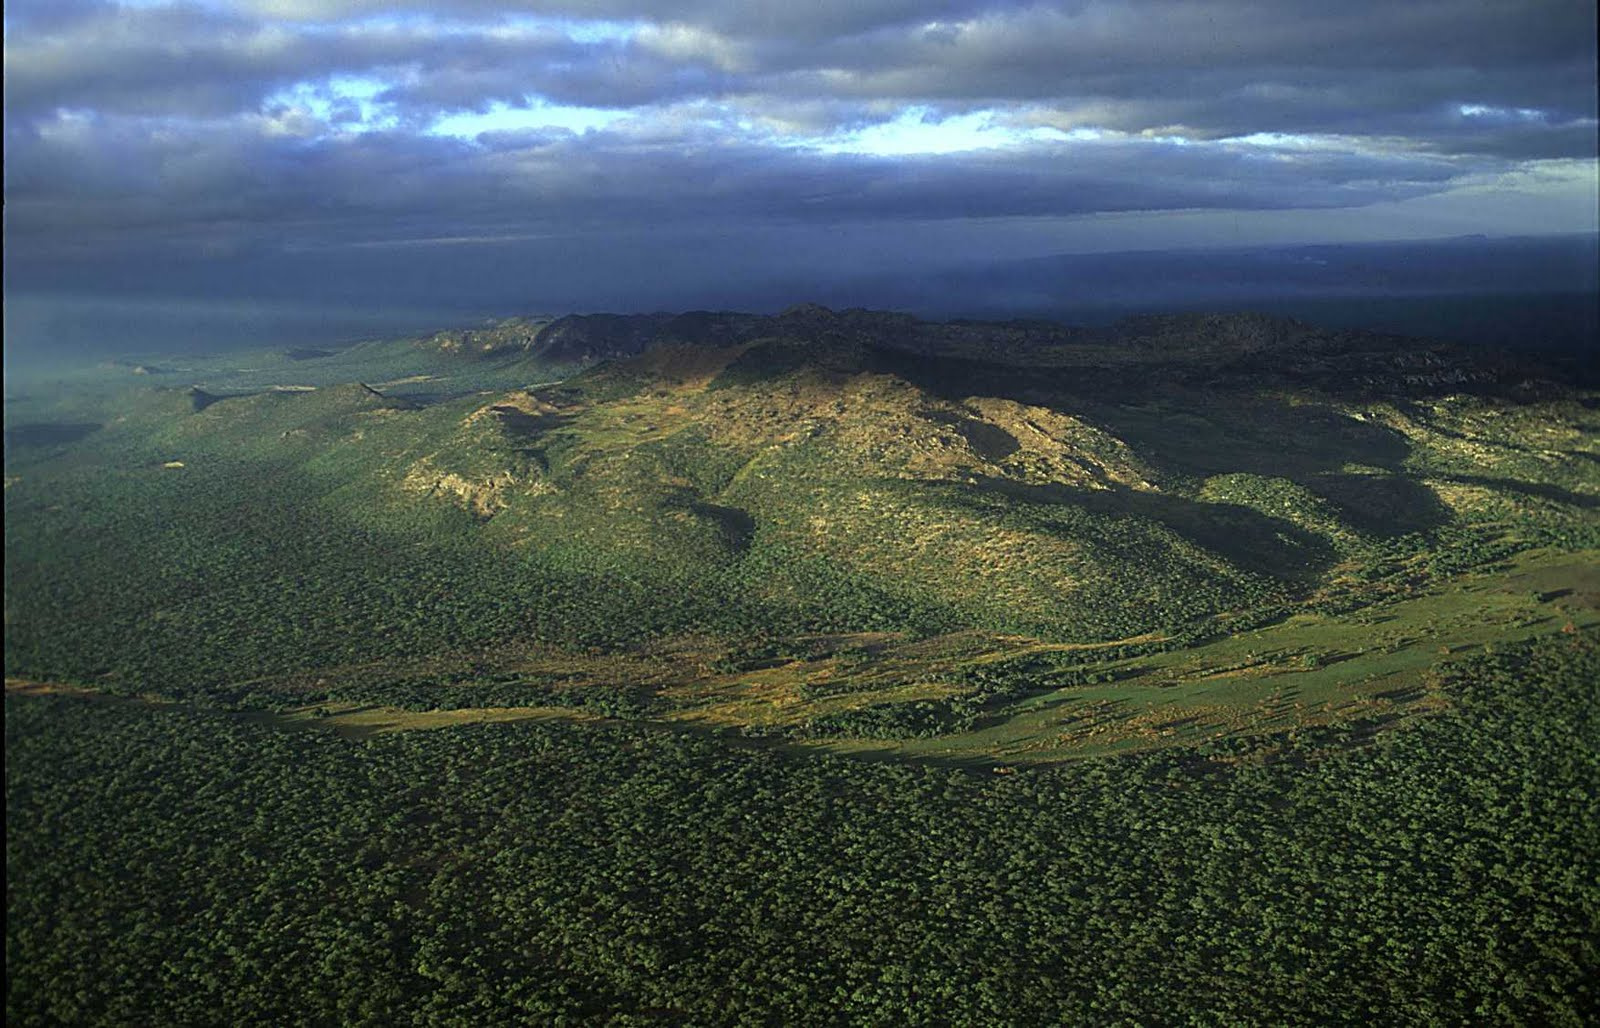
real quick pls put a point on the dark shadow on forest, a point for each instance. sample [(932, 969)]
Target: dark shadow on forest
[(991, 442), (1532, 490), (1194, 431), (523, 425), (735, 526), (1209, 434), (1386, 506), (1245, 536), (49, 434)]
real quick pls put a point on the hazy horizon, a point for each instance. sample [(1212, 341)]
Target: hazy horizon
[(1534, 293), (210, 173)]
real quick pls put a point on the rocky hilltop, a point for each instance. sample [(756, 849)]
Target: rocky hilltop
[(1152, 350)]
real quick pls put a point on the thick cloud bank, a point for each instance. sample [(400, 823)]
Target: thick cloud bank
[(150, 135)]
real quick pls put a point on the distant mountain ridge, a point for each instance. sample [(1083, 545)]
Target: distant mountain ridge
[(1168, 348)]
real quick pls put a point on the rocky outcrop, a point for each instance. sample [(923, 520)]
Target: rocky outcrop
[(495, 339)]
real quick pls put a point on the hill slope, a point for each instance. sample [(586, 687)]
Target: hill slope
[(824, 524), (822, 667)]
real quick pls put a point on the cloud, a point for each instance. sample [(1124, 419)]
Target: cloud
[(86, 180), (1212, 66), (292, 126)]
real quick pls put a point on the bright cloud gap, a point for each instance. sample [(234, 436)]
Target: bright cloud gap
[(537, 115)]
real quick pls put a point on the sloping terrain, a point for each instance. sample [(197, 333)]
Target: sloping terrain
[(821, 525), (829, 667)]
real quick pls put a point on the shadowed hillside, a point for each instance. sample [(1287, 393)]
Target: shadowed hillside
[(708, 483)]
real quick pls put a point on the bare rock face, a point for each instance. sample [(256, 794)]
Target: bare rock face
[(483, 496), (499, 338)]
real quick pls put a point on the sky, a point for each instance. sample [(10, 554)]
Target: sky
[(206, 163)]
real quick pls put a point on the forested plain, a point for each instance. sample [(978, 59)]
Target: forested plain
[(804, 677), (169, 866)]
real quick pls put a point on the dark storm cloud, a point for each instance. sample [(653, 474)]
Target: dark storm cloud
[(596, 75), (810, 21), (84, 185), (302, 125), (1215, 68), (187, 61)]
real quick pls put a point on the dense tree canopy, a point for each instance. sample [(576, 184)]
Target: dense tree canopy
[(167, 866)]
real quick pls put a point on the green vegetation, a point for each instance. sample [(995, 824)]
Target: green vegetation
[(173, 866), (815, 667)]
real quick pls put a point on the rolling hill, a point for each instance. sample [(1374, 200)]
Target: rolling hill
[(814, 668), (824, 525)]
